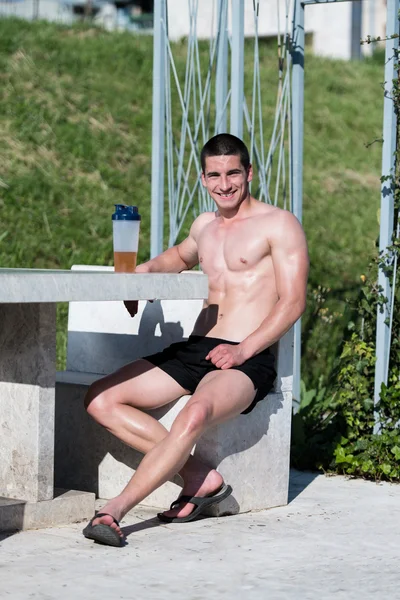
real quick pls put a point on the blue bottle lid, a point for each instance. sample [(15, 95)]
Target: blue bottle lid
[(125, 213)]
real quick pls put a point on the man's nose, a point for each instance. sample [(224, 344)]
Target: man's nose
[(224, 183)]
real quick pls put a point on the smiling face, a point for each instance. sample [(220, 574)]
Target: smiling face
[(227, 181)]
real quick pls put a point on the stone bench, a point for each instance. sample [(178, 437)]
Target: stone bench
[(251, 451)]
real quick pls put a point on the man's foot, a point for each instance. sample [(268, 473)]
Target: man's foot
[(108, 517), (201, 487), (102, 532)]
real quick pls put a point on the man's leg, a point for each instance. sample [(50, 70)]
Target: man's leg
[(117, 402), (220, 396)]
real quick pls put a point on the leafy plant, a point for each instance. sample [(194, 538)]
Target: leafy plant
[(337, 427)]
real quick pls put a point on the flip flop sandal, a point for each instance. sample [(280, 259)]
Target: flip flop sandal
[(201, 504), (102, 533)]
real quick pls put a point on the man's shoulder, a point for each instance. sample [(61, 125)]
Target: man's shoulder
[(201, 222), (276, 223), (203, 219), (206, 217), (268, 212)]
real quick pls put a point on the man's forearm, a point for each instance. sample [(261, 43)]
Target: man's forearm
[(169, 261), (282, 317)]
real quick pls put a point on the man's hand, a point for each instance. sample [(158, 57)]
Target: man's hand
[(132, 306), (225, 356)]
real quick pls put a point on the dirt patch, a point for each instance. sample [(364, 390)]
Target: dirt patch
[(93, 178), (365, 179), (332, 183), (48, 155), (19, 60), (88, 33)]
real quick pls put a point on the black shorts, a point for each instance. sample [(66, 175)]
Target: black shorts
[(186, 363)]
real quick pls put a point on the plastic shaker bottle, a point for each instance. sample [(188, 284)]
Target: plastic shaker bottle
[(126, 226)]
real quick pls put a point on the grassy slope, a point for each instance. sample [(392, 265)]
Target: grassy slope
[(75, 138), (341, 193)]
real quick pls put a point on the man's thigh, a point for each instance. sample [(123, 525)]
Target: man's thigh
[(226, 393), (140, 384)]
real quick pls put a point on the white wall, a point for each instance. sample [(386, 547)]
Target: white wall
[(331, 28), (329, 24), (374, 21), (47, 9), (178, 18)]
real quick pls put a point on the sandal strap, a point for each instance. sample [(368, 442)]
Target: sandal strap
[(197, 500), (192, 499), (97, 515)]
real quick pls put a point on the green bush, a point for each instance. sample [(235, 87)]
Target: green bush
[(337, 428)]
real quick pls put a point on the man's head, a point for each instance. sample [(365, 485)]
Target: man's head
[(226, 172), (225, 144)]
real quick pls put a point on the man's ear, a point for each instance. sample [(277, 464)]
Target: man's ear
[(203, 179), (249, 173)]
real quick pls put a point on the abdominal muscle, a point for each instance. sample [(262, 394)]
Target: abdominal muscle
[(233, 312)]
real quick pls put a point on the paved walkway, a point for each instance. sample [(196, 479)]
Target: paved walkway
[(337, 538)]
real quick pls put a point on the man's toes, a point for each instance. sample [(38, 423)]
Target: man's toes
[(117, 529), (180, 511), (108, 520)]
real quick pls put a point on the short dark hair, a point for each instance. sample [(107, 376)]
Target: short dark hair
[(225, 144)]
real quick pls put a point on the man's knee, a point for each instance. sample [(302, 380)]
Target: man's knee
[(96, 401), (193, 419)]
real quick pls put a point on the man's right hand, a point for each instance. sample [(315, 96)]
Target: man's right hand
[(132, 306)]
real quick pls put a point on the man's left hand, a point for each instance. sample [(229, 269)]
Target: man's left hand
[(225, 356)]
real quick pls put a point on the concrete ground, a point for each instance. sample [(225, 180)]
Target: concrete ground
[(337, 538)]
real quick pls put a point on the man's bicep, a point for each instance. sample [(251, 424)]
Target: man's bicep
[(188, 251), (291, 263)]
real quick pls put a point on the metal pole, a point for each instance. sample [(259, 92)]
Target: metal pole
[(35, 10), (297, 133), (387, 199), (221, 80), (356, 30), (237, 68), (371, 22), (158, 129)]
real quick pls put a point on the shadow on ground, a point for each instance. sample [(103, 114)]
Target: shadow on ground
[(6, 534), (298, 481)]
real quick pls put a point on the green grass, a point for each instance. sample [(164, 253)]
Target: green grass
[(75, 138)]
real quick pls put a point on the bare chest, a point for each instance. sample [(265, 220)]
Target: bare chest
[(240, 247)]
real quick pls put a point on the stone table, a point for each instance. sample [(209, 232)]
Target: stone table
[(28, 299)]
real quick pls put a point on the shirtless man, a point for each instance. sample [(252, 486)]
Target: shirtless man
[(255, 256)]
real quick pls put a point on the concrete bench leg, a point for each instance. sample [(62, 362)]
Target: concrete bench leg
[(27, 398), (27, 379)]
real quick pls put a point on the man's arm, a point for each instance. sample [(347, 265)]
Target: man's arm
[(174, 260), (290, 260)]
